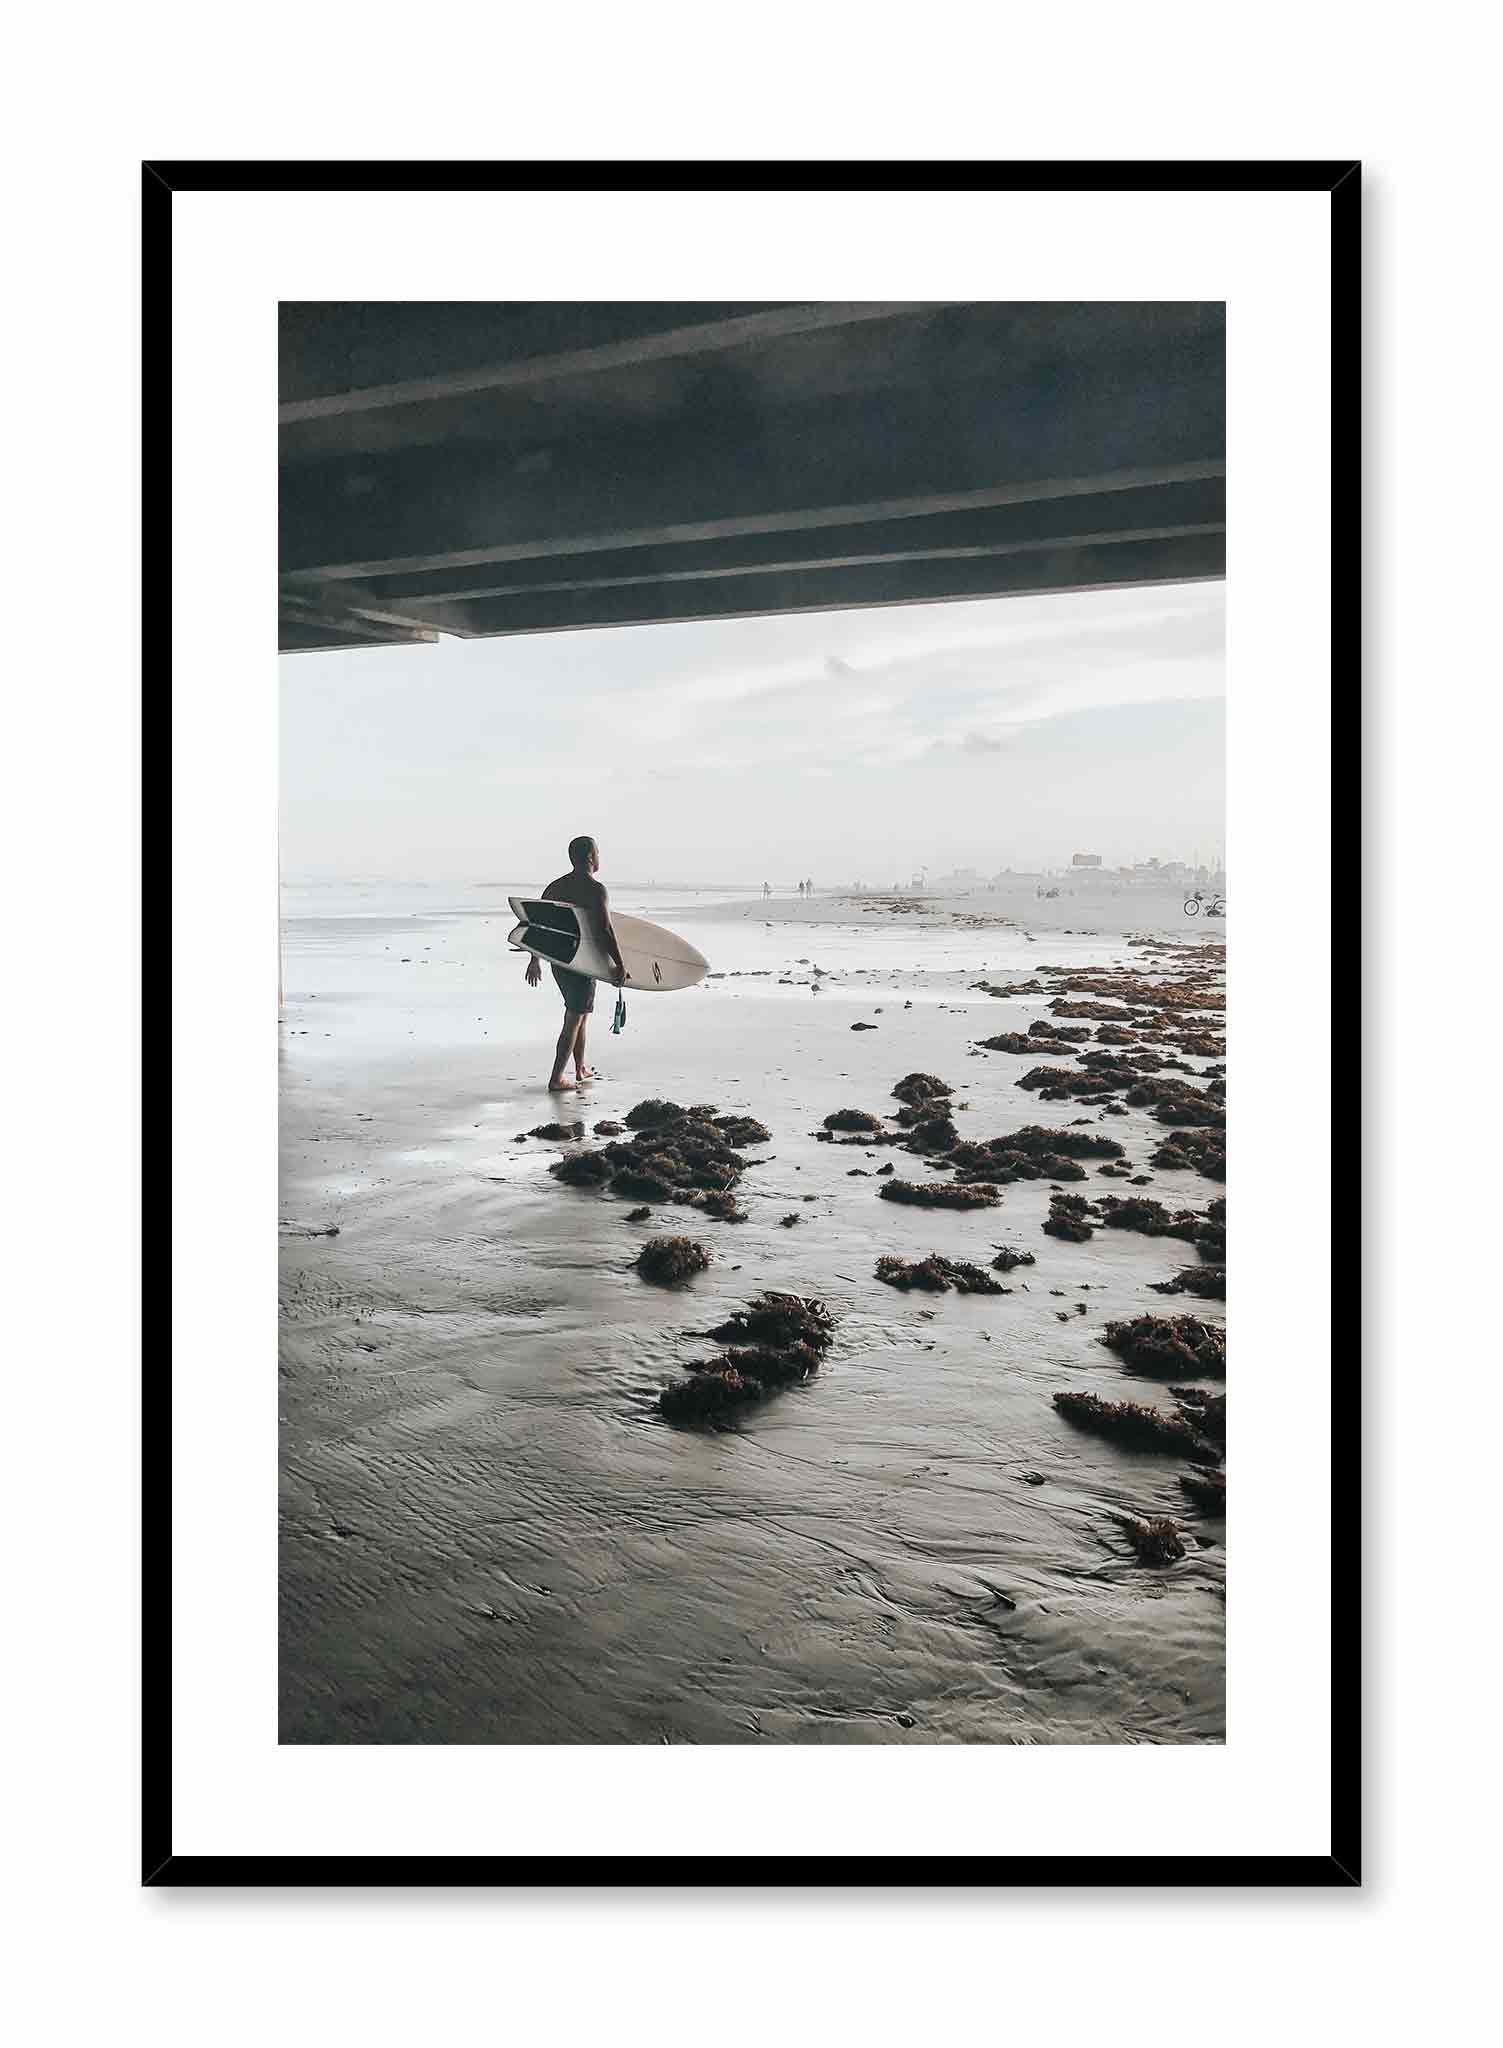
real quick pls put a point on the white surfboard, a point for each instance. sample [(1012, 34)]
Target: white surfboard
[(655, 958)]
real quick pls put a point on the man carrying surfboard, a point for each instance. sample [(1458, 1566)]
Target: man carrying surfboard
[(580, 888)]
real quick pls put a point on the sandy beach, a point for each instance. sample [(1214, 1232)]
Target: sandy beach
[(489, 1533)]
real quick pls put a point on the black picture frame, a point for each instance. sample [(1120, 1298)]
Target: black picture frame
[(160, 1865)]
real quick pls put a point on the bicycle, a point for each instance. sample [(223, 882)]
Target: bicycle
[(1212, 906)]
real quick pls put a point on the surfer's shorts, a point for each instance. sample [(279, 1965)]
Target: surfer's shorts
[(577, 990)]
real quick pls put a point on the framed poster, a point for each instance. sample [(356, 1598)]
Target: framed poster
[(800, 782)]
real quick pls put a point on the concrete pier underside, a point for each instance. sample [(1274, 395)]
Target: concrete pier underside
[(484, 469)]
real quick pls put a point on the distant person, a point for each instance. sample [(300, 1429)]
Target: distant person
[(588, 896), (808, 888), (801, 888), (766, 890)]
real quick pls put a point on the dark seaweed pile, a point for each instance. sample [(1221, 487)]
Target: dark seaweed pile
[(1144, 1428), (666, 1260), (679, 1155), (1108, 1013), (1176, 1102), (1156, 1541), (1207, 1489), (936, 1274), (916, 1088), (941, 1194), (1209, 1282), (1069, 1218), (1138, 1212), (776, 1342), (1194, 1152), (1010, 1041), (932, 1134), (1207, 1411), (852, 1120), (1130, 1067), (778, 1321), (1058, 1084), (1032, 1153), (1169, 1344)]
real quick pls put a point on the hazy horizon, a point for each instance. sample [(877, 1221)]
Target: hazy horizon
[(984, 734)]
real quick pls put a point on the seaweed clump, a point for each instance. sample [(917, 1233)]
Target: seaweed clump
[(557, 1131), (1070, 1217), (1206, 1232), (1207, 1488), (674, 1154), (1156, 1541), (933, 1134), (916, 1088), (582, 1169), (1007, 1258), (652, 1113), (852, 1120), (942, 1194), (1169, 1344), (1209, 1282), (777, 1342), (707, 1396), (1105, 1013), (1194, 1151), (1037, 1142), (741, 1130), (1032, 1153), (935, 1275), (1176, 1102), (777, 1321), (1131, 1422), (1053, 1036), (1206, 1411), (1058, 1084), (667, 1260)]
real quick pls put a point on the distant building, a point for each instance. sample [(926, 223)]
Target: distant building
[(1085, 860)]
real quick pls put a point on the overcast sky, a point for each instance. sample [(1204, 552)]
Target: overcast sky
[(1011, 731)]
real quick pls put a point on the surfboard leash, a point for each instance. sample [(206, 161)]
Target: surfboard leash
[(618, 1022)]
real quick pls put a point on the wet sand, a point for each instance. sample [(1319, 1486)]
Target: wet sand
[(489, 1534)]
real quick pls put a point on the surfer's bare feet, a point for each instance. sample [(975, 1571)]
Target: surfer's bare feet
[(558, 1083), (584, 1074)]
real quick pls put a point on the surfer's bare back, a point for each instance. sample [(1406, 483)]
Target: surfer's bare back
[(588, 896)]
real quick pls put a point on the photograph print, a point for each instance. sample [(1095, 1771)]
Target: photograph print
[(754, 919)]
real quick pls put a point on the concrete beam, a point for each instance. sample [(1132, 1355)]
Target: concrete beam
[(772, 323), (296, 638), (893, 454), (354, 623), (1190, 557), (1075, 519)]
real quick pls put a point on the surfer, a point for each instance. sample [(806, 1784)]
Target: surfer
[(580, 888)]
